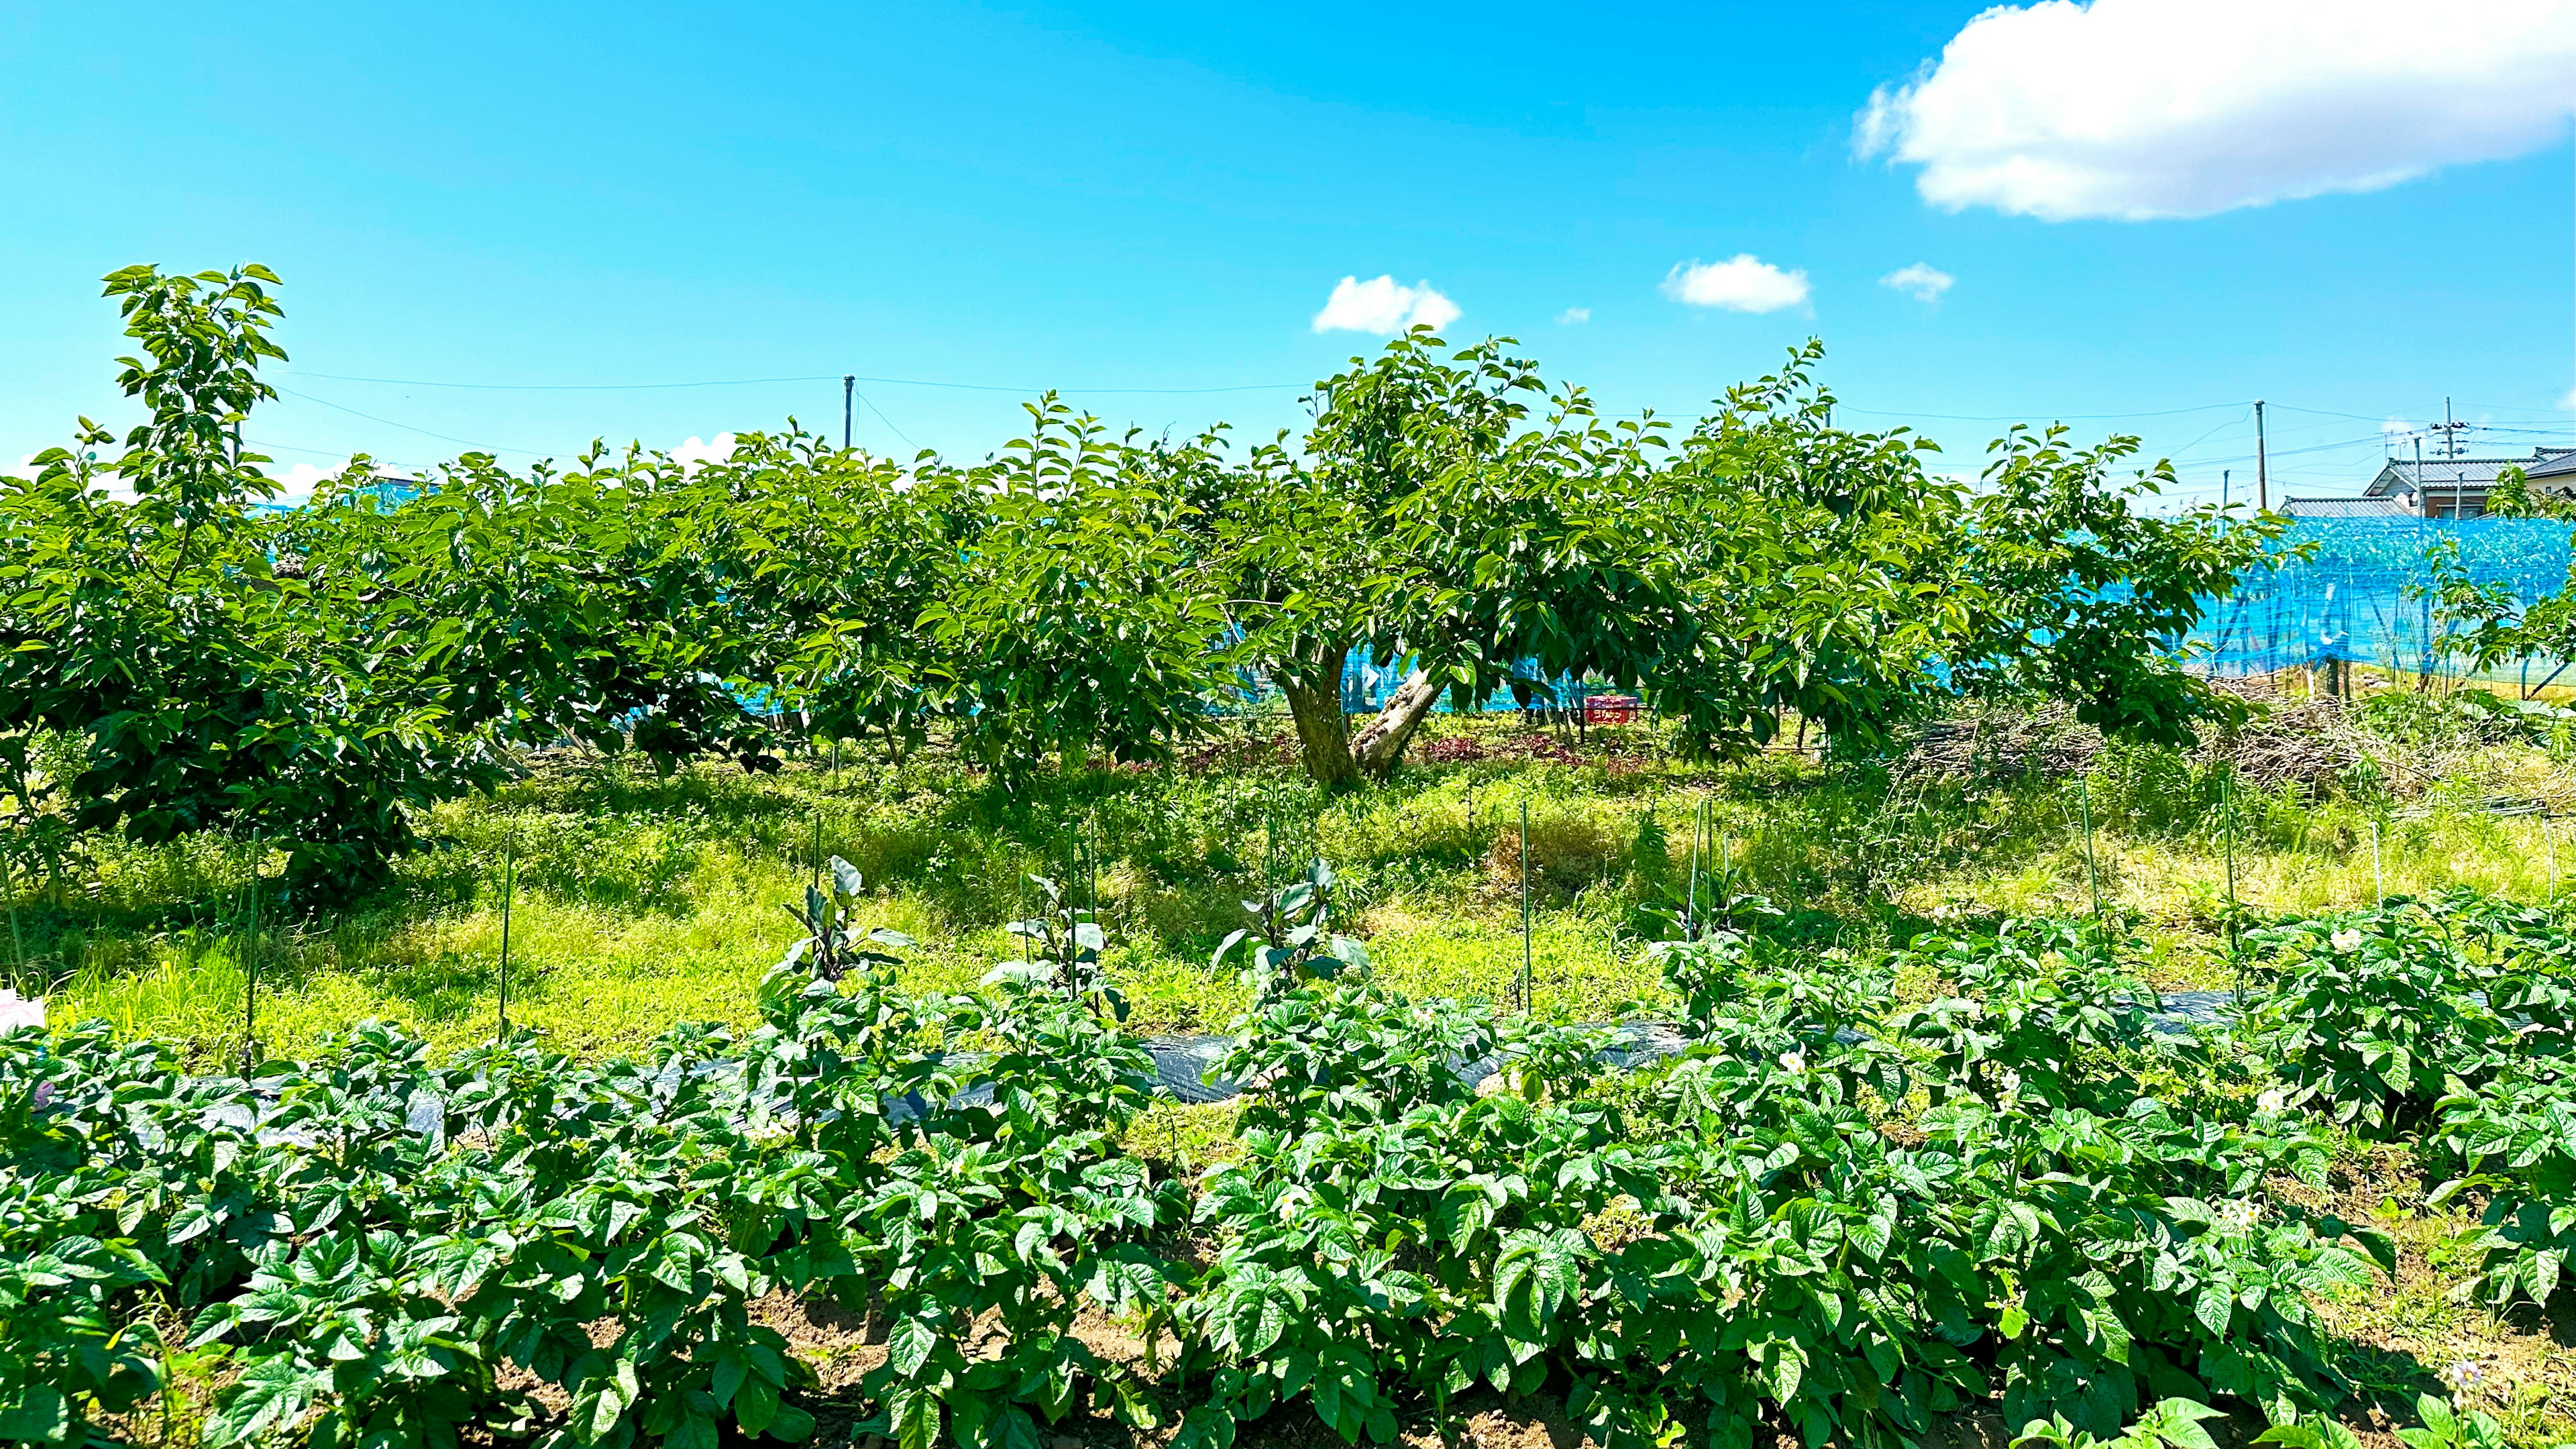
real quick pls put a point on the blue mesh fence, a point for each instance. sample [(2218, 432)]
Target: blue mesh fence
[(1367, 686), (2348, 601)]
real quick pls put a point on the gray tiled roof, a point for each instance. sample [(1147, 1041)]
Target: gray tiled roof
[(2344, 508), (2560, 464), (2440, 475)]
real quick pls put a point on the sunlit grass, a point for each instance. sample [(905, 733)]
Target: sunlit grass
[(645, 901)]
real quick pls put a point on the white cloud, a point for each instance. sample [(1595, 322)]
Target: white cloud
[(2134, 109), (694, 453), (2569, 402), (1383, 305), (1573, 316), (2392, 427), (26, 467), (1922, 281), (1742, 283)]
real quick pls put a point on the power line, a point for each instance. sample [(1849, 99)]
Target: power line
[(2329, 413), (881, 417), (2289, 452), (772, 381), (408, 428), (2205, 437), (2026, 417), (561, 386)]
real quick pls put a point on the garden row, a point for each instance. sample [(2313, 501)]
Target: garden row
[(1828, 1217), (195, 659)]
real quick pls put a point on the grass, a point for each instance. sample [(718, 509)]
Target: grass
[(642, 901)]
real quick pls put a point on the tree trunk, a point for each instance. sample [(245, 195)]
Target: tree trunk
[(1323, 731), (1380, 747)]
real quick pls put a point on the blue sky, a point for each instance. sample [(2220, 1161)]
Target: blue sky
[(1108, 199)]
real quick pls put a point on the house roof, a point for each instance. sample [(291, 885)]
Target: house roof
[(2343, 508), (2407, 475), (2561, 463)]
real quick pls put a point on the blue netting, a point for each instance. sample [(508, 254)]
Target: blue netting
[(2348, 601), (1366, 688)]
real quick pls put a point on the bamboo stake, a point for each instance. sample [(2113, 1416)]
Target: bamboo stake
[(250, 968), (2378, 881), (2092, 872), (2227, 788), (1525, 911), (9, 888), (1691, 921), (509, 889)]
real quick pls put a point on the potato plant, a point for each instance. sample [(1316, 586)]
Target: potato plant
[(1823, 1217)]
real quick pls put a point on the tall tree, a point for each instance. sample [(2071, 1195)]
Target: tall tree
[(1074, 617), (2079, 592), (208, 687), (1430, 520)]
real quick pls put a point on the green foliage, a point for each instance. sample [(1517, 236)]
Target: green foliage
[(1776, 1230), (2371, 1014), (321, 676), (2046, 1017), (834, 945), (2510, 496), (1426, 1198), (1064, 946), (1073, 618), (2080, 595), (212, 684), (1291, 942), (2171, 1422), (1387, 1232), (2447, 1428), (2513, 1138)]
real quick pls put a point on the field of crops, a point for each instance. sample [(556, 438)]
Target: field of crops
[(951, 1216), (426, 1058)]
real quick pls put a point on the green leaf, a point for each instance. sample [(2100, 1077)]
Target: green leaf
[(755, 1407), (2215, 1308), (271, 1394), (39, 1413), (909, 1347)]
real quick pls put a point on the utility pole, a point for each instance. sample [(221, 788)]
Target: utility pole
[(2424, 680), (2223, 474), (849, 386), (2262, 464), (2450, 448)]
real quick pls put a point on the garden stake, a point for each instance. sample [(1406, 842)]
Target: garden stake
[(818, 848), (1690, 919), (1525, 911), (2227, 799), (9, 888), (2092, 873), (2548, 838), (509, 888), (250, 969), (2378, 882)]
